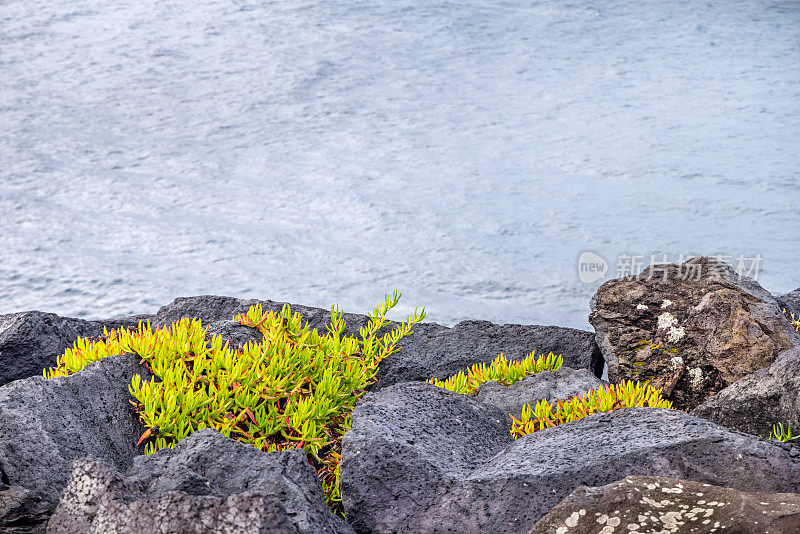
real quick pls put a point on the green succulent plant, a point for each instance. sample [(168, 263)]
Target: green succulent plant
[(294, 389), (500, 369), (626, 394), (783, 434)]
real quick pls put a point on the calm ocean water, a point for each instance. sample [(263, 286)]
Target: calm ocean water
[(321, 152)]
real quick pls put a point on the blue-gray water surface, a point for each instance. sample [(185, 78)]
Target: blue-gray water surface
[(464, 152)]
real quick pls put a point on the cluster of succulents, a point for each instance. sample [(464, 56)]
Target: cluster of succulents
[(501, 370), (626, 394), (295, 389)]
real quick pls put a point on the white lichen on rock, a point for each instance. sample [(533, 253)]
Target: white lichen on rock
[(696, 377), (667, 321)]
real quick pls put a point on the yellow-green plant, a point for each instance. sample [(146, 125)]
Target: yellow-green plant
[(501, 370), (294, 389), (794, 320), (626, 394), (782, 434)]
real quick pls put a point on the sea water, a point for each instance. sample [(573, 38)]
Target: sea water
[(464, 152)]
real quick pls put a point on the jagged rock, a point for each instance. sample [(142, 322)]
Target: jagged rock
[(656, 504), (562, 384), (790, 302), (692, 329), (45, 424), (756, 402), (422, 459), (32, 341), (206, 484), (432, 350)]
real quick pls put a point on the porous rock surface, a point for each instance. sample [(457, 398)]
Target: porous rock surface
[(422, 459), (562, 384), (651, 505), (32, 341), (756, 402), (790, 302), (432, 350), (692, 329), (207, 483), (46, 424)]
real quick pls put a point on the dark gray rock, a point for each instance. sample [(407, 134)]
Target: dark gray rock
[(32, 341), (562, 384), (421, 459), (432, 350), (790, 302), (207, 484), (46, 424), (656, 504), (756, 402), (435, 350), (690, 329)]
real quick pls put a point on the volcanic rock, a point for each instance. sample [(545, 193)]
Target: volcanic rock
[(46, 424), (650, 505), (32, 341), (208, 483), (562, 384), (422, 459), (758, 401), (691, 329)]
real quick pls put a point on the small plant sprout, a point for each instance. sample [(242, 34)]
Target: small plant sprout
[(501, 370), (623, 395), (295, 389), (782, 434)]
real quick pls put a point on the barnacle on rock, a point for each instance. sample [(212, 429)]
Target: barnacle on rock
[(501, 370), (295, 389)]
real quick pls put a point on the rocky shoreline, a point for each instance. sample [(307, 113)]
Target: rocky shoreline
[(419, 458)]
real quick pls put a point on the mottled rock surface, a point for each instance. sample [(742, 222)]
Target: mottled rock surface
[(32, 341), (756, 402), (562, 384), (657, 505), (692, 329), (46, 424), (421, 459), (207, 484), (432, 350)]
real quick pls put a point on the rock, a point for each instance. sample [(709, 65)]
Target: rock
[(32, 341), (46, 424), (656, 504), (790, 302), (691, 329), (435, 350), (562, 384), (432, 350), (206, 484), (422, 459), (756, 402)]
